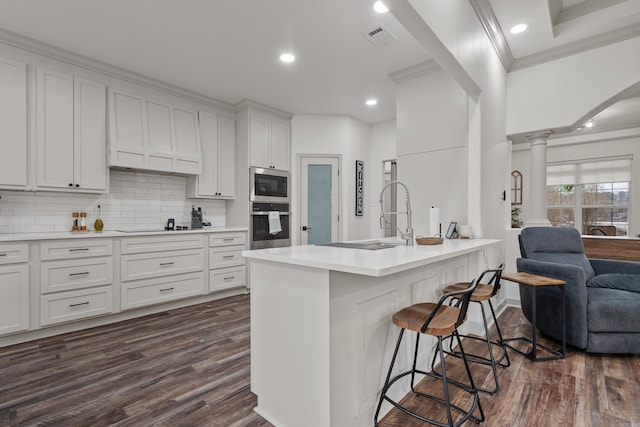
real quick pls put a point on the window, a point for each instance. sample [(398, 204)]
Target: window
[(516, 188), (591, 196)]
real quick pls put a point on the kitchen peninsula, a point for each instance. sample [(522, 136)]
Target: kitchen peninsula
[(321, 335)]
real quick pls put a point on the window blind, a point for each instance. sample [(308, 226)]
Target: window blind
[(589, 172)]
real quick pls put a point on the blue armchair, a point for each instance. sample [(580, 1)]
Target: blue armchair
[(602, 296)]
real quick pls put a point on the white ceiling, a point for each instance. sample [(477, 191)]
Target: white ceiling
[(228, 49)]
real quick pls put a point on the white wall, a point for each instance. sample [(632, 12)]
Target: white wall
[(136, 201), (471, 58), (589, 146), (563, 92), (383, 147), (432, 148), (334, 135)]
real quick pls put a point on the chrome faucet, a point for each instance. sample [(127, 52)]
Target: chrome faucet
[(408, 234)]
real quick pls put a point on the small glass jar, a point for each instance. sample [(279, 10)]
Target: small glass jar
[(83, 221), (76, 221)]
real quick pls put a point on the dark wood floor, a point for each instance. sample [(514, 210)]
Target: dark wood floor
[(186, 367), (583, 390), (190, 367)]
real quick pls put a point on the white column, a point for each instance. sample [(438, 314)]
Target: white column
[(538, 198)]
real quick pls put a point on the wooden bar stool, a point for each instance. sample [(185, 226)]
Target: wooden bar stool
[(484, 292), (439, 320)]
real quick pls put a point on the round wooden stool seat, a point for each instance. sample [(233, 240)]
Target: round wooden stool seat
[(480, 293), (413, 317)]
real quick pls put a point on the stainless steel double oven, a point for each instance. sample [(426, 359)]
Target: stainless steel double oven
[(269, 208)]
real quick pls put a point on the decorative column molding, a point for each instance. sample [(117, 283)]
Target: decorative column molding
[(538, 191)]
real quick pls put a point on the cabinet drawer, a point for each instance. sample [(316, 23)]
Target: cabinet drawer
[(159, 290), (136, 245), (227, 278), (227, 239), (75, 305), (226, 256), (14, 253), (77, 248), (67, 275), (143, 266)]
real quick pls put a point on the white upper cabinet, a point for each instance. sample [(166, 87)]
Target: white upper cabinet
[(218, 138), (13, 124), (269, 144), (90, 154), (226, 161), (280, 146), (71, 137), (150, 130)]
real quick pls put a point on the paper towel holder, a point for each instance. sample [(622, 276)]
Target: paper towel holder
[(451, 231)]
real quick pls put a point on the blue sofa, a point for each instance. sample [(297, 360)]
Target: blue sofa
[(602, 296)]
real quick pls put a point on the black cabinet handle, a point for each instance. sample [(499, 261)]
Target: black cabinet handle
[(80, 303)]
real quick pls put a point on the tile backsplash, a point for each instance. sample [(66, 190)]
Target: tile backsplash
[(136, 201)]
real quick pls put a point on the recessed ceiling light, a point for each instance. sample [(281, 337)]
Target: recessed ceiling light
[(517, 29), (380, 7), (589, 124), (287, 57), (371, 102)]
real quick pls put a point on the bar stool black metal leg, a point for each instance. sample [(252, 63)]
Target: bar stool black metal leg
[(500, 341), (415, 361), (386, 381), (444, 382), (473, 390)]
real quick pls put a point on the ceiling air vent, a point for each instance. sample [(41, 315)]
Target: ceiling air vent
[(379, 36)]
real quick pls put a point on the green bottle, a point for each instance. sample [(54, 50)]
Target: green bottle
[(98, 225)]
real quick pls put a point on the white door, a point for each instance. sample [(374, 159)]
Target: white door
[(319, 200)]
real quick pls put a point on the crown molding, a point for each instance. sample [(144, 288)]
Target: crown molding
[(416, 70), (584, 8), (63, 55), (248, 104), (626, 33), (494, 32)]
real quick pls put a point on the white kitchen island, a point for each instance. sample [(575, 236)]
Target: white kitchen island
[(321, 331)]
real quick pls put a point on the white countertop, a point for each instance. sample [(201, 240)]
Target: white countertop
[(380, 262), (15, 237)]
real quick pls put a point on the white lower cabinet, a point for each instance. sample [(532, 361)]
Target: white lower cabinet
[(68, 275), (227, 268), (141, 293), (227, 278), (14, 298), (14, 287), (75, 305), (59, 281), (76, 280), (160, 275)]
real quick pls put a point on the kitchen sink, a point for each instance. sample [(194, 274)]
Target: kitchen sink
[(145, 231), (370, 246)]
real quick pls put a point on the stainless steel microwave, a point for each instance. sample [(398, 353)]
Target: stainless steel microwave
[(269, 185)]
